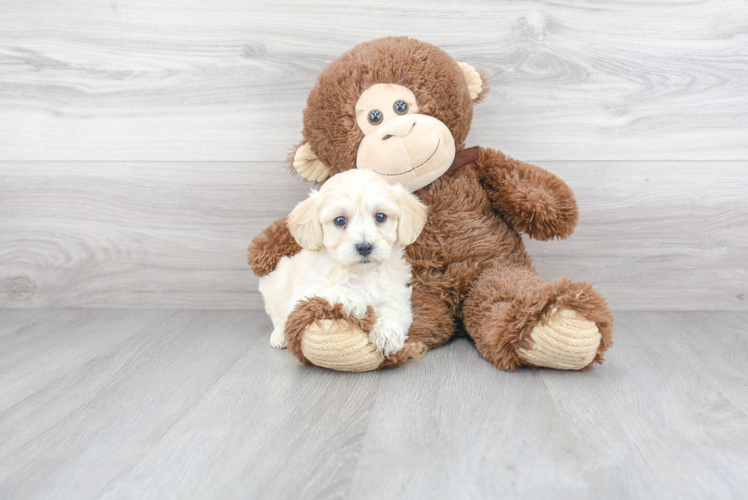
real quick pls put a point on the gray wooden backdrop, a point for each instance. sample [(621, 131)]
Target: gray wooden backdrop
[(142, 143)]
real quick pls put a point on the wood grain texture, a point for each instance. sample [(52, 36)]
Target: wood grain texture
[(135, 391), (657, 235), (197, 404), (660, 235), (46, 348), (136, 235), (674, 404), (227, 80), (142, 142), (453, 427)]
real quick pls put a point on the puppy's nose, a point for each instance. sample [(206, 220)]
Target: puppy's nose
[(364, 249)]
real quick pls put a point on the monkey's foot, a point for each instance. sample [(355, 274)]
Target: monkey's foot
[(337, 345), (566, 341)]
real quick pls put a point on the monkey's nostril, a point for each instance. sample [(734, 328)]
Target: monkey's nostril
[(364, 249), (387, 137)]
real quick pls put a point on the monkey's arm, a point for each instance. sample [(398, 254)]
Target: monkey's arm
[(268, 247), (529, 198)]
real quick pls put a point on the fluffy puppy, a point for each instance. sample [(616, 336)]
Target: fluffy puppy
[(352, 232)]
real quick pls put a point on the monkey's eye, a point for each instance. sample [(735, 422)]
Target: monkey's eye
[(340, 221), (400, 107), (380, 217), (375, 117)]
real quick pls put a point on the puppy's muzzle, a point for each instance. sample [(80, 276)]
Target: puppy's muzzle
[(364, 249)]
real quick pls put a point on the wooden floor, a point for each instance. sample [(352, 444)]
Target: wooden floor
[(196, 404)]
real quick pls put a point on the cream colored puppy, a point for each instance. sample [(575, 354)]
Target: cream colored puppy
[(352, 232)]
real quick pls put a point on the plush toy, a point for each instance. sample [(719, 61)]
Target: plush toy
[(403, 108)]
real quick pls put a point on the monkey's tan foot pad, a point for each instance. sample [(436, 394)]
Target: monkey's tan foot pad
[(566, 341), (337, 345)]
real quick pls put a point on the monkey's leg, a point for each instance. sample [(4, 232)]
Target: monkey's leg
[(432, 326), (517, 318)]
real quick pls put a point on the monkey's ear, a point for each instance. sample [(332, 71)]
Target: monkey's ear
[(473, 79), (306, 163)]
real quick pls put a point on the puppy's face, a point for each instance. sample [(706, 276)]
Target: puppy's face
[(359, 221), (357, 217)]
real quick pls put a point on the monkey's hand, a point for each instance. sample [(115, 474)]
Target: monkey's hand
[(529, 198), (268, 247)]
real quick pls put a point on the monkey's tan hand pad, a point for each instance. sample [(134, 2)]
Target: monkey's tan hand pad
[(567, 341), (339, 346)]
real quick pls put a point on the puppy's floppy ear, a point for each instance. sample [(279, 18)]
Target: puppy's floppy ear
[(304, 224), (413, 215)]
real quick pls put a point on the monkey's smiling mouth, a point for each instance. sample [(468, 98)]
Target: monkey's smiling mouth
[(419, 166)]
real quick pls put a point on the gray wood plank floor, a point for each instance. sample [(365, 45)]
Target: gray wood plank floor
[(196, 404)]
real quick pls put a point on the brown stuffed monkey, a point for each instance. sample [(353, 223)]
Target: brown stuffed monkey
[(402, 108)]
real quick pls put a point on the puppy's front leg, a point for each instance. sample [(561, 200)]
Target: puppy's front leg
[(273, 288), (353, 304), (391, 329), (278, 337)]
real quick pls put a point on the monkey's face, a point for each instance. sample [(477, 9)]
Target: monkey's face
[(363, 113), (400, 144)]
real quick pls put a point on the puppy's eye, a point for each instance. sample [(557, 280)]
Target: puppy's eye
[(380, 217), (340, 221), (375, 117), (400, 107)]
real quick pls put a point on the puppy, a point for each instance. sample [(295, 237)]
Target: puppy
[(352, 232)]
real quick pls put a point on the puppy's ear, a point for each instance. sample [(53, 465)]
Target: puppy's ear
[(413, 216), (304, 224)]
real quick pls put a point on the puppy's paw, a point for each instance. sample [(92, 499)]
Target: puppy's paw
[(278, 339), (388, 336), (353, 306), (356, 309)]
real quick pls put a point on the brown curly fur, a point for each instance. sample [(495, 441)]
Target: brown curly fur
[(469, 264), (513, 301), (314, 310), (433, 75), (530, 199), (268, 247)]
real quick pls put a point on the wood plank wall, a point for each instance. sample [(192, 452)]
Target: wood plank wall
[(142, 143)]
